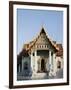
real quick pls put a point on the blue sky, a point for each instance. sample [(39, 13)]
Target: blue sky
[(29, 23)]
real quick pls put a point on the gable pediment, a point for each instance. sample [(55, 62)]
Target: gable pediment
[(42, 39), (43, 42)]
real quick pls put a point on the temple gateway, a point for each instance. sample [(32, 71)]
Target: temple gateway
[(40, 58)]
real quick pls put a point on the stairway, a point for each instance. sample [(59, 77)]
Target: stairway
[(39, 76)]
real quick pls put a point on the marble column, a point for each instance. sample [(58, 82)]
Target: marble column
[(54, 64), (50, 59), (39, 66), (50, 63), (36, 65), (31, 61)]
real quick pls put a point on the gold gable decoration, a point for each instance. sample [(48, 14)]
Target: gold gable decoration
[(29, 45)]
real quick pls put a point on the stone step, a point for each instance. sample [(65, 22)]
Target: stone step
[(39, 75)]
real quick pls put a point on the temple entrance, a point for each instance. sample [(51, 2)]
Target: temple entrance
[(58, 64), (43, 65)]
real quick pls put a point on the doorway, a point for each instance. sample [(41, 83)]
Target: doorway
[(42, 65)]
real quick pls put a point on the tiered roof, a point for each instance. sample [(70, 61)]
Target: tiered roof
[(28, 46), (60, 51)]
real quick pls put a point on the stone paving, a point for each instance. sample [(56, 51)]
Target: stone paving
[(38, 76)]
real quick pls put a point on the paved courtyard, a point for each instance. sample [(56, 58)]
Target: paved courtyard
[(59, 74)]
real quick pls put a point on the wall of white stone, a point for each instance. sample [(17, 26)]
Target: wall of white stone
[(39, 55), (33, 64), (61, 60)]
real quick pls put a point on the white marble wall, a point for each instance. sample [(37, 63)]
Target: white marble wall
[(33, 62)]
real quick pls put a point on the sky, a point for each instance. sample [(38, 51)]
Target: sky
[(30, 22)]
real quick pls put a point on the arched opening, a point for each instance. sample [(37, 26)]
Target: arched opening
[(59, 64), (25, 66), (43, 65)]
